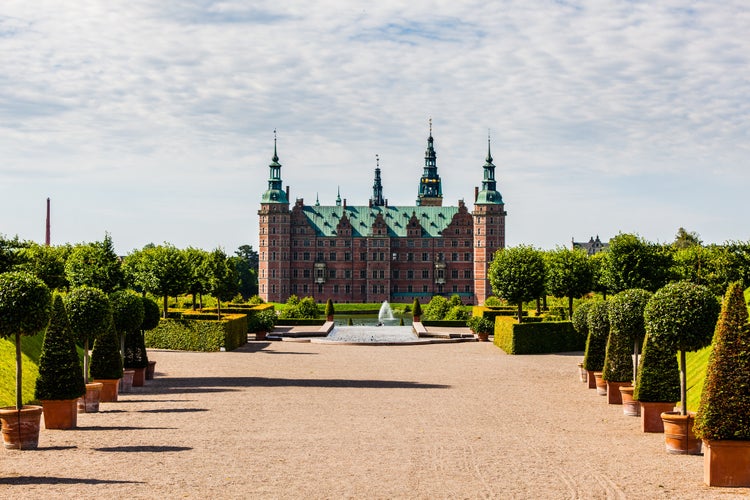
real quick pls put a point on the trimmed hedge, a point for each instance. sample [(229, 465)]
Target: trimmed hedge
[(537, 338), (206, 335), (445, 323), (492, 312), (300, 322)]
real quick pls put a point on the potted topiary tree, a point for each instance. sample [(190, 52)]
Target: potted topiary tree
[(581, 325), (481, 326), (127, 315), (596, 344), (90, 314), (722, 418), (657, 386), (625, 334), (24, 310), (681, 316), (151, 318), (264, 323), (329, 310), (416, 309), (106, 364), (59, 384)]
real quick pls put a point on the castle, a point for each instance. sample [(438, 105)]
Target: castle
[(376, 252)]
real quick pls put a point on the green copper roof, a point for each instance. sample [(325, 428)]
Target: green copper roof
[(325, 219), (274, 193), (489, 195)]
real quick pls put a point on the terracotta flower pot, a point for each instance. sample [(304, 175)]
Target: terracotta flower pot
[(109, 389), (89, 403), (613, 392), (651, 415), (126, 382), (726, 463), (630, 406), (60, 413), (601, 384), (582, 374), (20, 429), (150, 369), (678, 433), (592, 380), (139, 376), (260, 335), (483, 337)]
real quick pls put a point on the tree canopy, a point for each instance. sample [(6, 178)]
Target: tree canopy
[(517, 274)]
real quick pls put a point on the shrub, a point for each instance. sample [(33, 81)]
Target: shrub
[(596, 344), (479, 324), (436, 309), (151, 314), (59, 366), (416, 308), (457, 313), (537, 338), (25, 306), (658, 375), (255, 300), (581, 318), (265, 320), (493, 301), (90, 315), (725, 402), (106, 362), (303, 309), (199, 335), (329, 308), (626, 331)]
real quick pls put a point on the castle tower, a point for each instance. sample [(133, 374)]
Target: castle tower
[(273, 255), (377, 187), (430, 188), (489, 228)]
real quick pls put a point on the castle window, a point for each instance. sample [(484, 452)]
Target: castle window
[(332, 256), (273, 288), (362, 289), (467, 274), (467, 243), (408, 289), (382, 274), (425, 244), (424, 288), (348, 273), (454, 274), (307, 243), (410, 257), (295, 273), (332, 243), (347, 256), (454, 243), (467, 257), (382, 256), (332, 273), (273, 273), (335, 289), (320, 243), (320, 288), (374, 274), (425, 257), (395, 274), (306, 256), (425, 274), (347, 289), (467, 288), (454, 257), (363, 275), (410, 274), (363, 256)]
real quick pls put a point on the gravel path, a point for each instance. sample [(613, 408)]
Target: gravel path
[(300, 420)]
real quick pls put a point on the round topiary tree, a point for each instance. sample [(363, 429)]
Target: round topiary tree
[(25, 307), (90, 315), (151, 314), (127, 315), (682, 316), (596, 343), (626, 334), (59, 366), (724, 411), (580, 318), (106, 362)]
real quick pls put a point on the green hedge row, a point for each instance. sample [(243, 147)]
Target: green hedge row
[(445, 323), (201, 335), (537, 338), (300, 322)]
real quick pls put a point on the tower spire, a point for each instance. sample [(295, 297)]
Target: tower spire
[(489, 193), (274, 193), (377, 186), (430, 187)]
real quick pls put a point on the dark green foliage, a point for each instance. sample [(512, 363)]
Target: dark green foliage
[(724, 411), (682, 316), (517, 275), (658, 374), (581, 318), (59, 365), (626, 329), (457, 313), (223, 281), (493, 301), (537, 338), (568, 274), (255, 300), (127, 311), (89, 311), (351, 322), (265, 320), (416, 308), (151, 314), (329, 308), (106, 362), (25, 304), (9, 253), (596, 343), (632, 262), (97, 265), (134, 355), (202, 335), (162, 270), (300, 309), (46, 263), (246, 262), (480, 324)]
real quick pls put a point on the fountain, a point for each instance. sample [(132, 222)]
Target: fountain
[(386, 331)]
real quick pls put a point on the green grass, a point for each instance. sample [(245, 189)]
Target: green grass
[(696, 374), (31, 348)]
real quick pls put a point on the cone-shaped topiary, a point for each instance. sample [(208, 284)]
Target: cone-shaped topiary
[(329, 308), (416, 309), (596, 344), (724, 411), (658, 374), (106, 362), (682, 316), (59, 366), (25, 306), (90, 315), (626, 331)]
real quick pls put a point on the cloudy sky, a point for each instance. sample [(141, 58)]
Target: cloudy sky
[(153, 120)]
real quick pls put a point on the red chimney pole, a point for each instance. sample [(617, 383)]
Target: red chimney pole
[(47, 234)]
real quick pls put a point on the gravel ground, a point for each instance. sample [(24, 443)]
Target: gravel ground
[(301, 420)]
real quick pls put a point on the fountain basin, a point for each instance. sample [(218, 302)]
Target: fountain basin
[(383, 335)]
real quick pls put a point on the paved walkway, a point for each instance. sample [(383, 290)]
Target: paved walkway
[(300, 420)]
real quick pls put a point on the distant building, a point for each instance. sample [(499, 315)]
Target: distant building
[(377, 252), (592, 246)]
